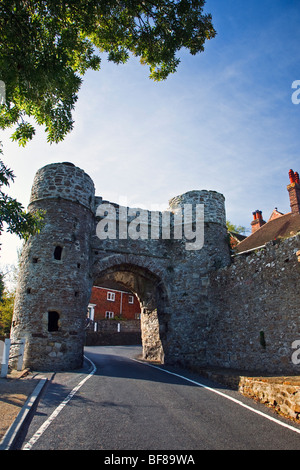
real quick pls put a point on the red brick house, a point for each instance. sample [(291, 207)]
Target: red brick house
[(279, 225), (113, 301)]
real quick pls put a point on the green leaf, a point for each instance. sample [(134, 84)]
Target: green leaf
[(47, 46), (23, 133)]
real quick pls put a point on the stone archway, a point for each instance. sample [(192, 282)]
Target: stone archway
[(151, 293), (151, 253)]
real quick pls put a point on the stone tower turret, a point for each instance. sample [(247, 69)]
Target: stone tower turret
[(195, 260), (54, 280)]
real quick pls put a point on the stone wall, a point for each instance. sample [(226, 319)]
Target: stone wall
[(198, 308), (166, 264), (108, 333), (281, 394), (170, 281), (255, 313)]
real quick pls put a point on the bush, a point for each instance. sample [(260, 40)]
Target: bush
[(6, 312)]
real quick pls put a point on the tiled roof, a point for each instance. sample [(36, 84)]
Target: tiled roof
[(109, 284), (284, 226), (238, 236)]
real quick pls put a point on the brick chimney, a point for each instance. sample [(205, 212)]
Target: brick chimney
[(257, 221), (294, 192)]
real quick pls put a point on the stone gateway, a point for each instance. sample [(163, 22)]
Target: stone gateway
[(200, 305), (60, 265)]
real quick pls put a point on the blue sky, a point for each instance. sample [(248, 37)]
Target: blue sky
[(225, 121)]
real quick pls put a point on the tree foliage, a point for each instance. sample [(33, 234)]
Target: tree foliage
[(6, 312), (12, 213), (1, 286), (235, 228), (47, 46), (7, 296)]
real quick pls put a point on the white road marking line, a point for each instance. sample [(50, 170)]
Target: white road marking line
[(42, 429), (271, 418)]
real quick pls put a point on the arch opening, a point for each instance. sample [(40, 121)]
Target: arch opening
[(149, 291)]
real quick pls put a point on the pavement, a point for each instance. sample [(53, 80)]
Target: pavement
[(21, 390)]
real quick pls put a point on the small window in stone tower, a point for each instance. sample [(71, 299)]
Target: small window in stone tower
[(58, 252), (53, 318)]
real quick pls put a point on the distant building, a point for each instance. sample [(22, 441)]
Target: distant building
[(235, 238), (279, 225), (113, 301)]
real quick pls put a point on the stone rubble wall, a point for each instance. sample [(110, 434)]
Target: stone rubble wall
[(108, 334), (282, 395), (254, 320)]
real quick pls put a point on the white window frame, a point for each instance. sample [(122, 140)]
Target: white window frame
[(130, 299), (109, 315), (91, 311), (111, 296)]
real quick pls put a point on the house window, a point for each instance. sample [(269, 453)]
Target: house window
[(111, 296), (109, 314), (130, 299), (91, 311), (53, 318)]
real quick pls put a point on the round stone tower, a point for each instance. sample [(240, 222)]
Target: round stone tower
[(203, 248), (54, 279), (203, 229)]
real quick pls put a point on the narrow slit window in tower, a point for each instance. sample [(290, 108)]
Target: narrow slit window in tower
[(53, 318), (58, 252)]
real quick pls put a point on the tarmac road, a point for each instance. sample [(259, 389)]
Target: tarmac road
[(127, 405)]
